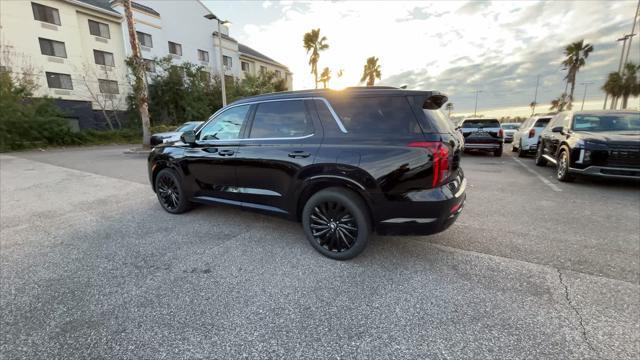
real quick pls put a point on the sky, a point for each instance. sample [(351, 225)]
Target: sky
[(457, 47)]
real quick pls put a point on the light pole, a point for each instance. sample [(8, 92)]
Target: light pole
[(586, 84), (475, 108), (222, 79), (633, 29), (535, 96)]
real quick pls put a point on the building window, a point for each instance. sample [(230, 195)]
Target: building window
[(45, 14), (103, 58), (227, 61), (245, 66), (108, 86), (263, 69), (99, 29), (205, 76), (52, 48), (144, 39), (278, 74), (203, 55), (59, 81), (175, 48), (149, 65)]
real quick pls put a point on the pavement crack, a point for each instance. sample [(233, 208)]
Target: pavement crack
[(575, 309)]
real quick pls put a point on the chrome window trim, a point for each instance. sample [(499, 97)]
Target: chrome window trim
[(333, 113), (207, 142)]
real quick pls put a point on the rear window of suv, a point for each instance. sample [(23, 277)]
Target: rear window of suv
[(542, 122), (377, 115), (481, 123)]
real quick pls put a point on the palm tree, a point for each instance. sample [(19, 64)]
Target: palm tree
[(576, 54), (533, 105), (561, 103), (325, 76), (371, 71), (449, 108), (630, 84), (314, 43), (613, 87)]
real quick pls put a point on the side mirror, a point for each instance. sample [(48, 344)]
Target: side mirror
[(558, 129), (188, 137)]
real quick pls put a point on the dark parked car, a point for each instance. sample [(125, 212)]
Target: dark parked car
[(484, 134), (171, 136), (598, 143), (344, 163)]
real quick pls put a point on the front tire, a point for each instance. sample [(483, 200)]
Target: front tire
[(336, 223), (170, 192), (562, 169)]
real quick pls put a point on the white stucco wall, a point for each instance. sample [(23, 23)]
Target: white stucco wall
[(20, 49)]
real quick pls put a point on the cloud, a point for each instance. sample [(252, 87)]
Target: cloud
[(267, 4), (450, 46)]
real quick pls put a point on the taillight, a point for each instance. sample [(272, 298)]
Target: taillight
[(532, 132), (440, 154), (500, 133)]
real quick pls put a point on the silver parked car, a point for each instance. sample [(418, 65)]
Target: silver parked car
[(525, 140)]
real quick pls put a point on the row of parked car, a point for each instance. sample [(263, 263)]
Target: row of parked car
[(596, 143)]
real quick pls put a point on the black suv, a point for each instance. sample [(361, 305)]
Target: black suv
[(484, 134), (344, 163), (598, 143)]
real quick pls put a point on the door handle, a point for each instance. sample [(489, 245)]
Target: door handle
[(226, 152), (299, 154)]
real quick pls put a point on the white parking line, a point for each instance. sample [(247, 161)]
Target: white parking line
[(546, 181)]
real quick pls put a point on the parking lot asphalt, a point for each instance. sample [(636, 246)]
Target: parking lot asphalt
[(91, 267)]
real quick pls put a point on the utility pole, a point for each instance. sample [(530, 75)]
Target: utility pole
[(535, 96), (221, 59), (475, 109), (140, 85), (586, 84), (633, 29), (614, 99)]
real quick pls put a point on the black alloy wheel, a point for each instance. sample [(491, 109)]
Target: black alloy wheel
[(170, 193), (336, 223)]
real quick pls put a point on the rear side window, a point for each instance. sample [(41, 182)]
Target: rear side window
[(439, 120), (281, 119), (481, 123), (377, 116), (542, 122)]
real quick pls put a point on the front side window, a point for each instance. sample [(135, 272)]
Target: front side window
[(226, 126), (59, 81), (108, 86), (99, 29), (45, 13), (281, 119), (175, 48), (144, 39), (377, 115), (103, 58), (52, 48)]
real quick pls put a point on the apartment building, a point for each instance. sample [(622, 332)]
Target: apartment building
[(72, 49), (253, 62), (75, 50)]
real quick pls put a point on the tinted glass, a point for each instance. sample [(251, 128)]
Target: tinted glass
[(606, 122), (377, 116), (510, 126), (542, 122), (225, 126), (281, 119), (480, 123), (439, 120), (187, 126)]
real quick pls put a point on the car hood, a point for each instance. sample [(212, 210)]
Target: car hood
[(168, 134), (611, 136)]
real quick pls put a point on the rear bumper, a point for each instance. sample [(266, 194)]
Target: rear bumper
[(482, 146), (608, 172), (435, 211)]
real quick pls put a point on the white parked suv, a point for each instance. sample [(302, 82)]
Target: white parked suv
[(525, 140)]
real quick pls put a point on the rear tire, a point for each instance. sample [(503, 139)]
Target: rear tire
[(336, 223), (540, 161), (513, 147), (521, 153), (170, 192), (498, 152)]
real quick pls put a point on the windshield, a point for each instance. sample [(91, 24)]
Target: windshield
[(607, 122), (188, 126), (480, 123), (510, 126)]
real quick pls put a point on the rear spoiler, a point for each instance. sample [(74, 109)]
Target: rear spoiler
[(434, 101)]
